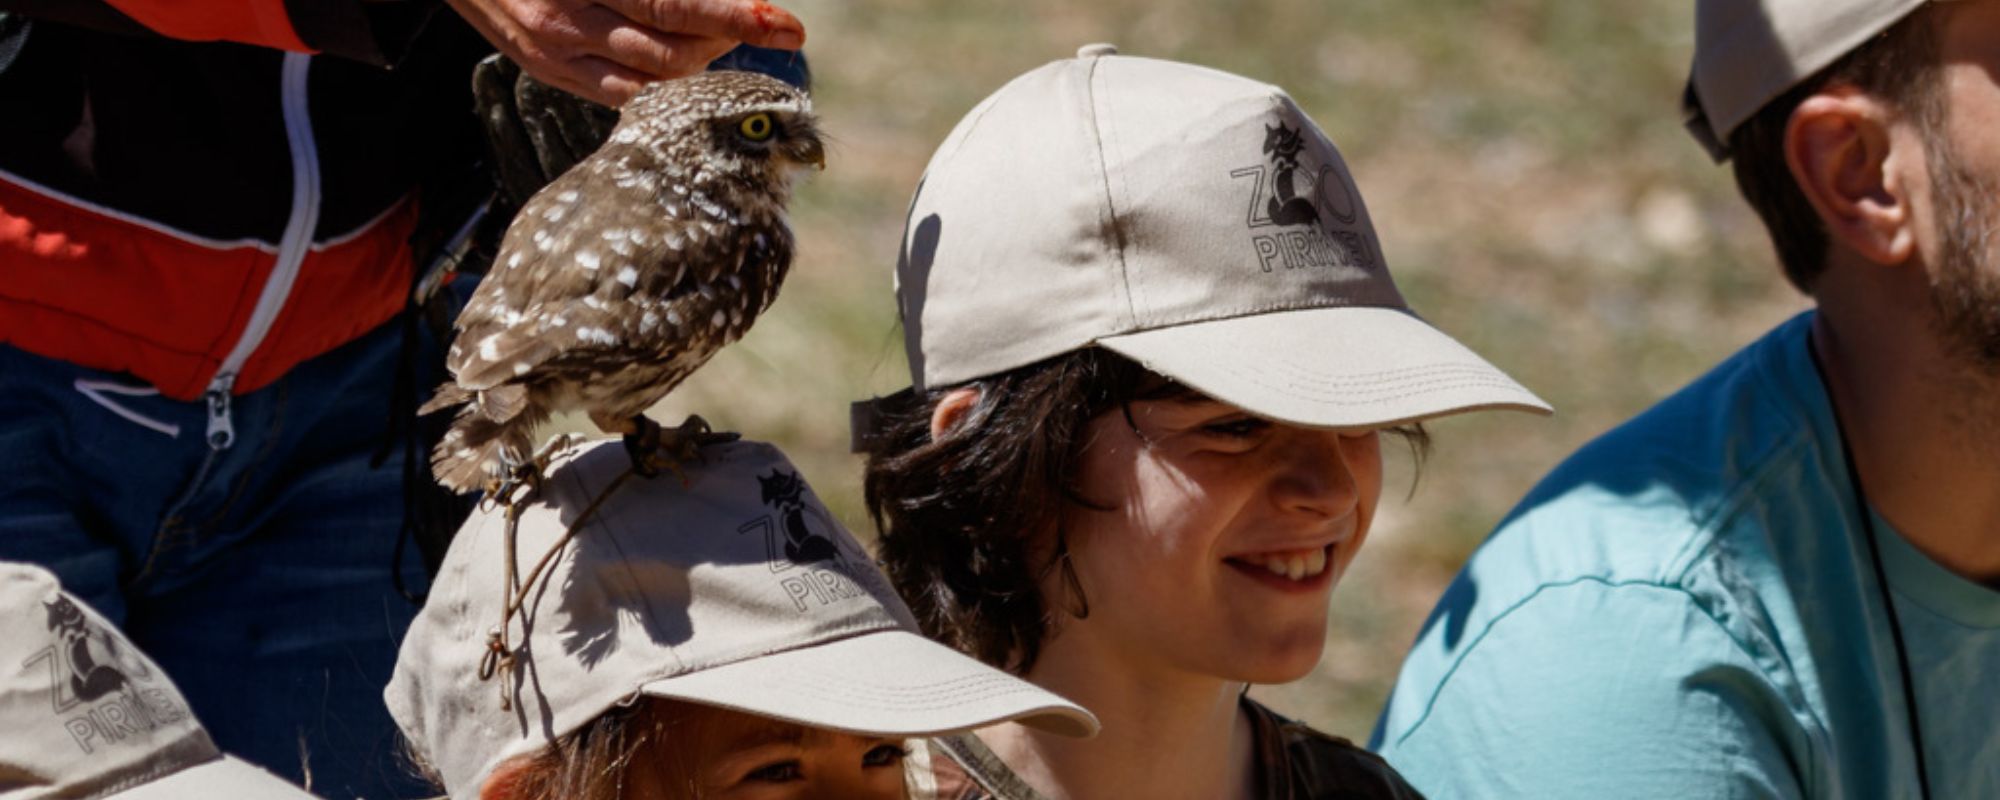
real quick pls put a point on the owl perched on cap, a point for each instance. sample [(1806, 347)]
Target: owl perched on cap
[(627, 273)]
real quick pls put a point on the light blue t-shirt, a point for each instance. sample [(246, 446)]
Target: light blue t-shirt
[(1687, 608)]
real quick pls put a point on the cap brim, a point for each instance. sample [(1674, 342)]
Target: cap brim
[(883, 683), (1328, 367), (224, 777)]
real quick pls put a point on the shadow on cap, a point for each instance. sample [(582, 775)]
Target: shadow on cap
[(735, 589)]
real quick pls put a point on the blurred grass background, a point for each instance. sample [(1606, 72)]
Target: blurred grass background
[(1523, 160)]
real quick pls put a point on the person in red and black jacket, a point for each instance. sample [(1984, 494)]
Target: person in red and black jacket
[(206, 218)]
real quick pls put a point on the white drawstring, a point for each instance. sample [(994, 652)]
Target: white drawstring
[(95, 390)]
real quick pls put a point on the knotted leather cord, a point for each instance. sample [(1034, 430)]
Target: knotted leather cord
[(499, 656)]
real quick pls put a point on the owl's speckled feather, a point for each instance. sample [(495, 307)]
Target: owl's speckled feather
[(627, 273)]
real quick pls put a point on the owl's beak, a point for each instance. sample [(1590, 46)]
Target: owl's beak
[(811, 151)]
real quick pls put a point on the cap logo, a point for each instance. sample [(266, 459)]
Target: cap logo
[(91, 670), (818, 568), (1308, 203)]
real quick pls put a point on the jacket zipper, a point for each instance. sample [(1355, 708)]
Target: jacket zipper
[(293, 247)]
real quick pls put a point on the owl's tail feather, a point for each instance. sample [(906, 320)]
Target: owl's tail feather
[(494, 433), (448, 395)]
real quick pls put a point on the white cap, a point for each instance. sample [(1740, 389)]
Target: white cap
[(1192, 220), (88, 716), (1747, 52), (733, 589)]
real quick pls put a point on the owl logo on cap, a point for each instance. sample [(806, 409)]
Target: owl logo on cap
[(1285, 207), (785, 491), (1308, 199), (92, 657)]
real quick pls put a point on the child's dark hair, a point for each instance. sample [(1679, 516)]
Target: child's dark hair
[(970, 521)]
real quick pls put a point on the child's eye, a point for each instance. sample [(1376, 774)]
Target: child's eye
[(1237, 427), (779, 772), (887, 755)]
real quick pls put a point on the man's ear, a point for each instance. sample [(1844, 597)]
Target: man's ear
[(952, 409), (504, 783), (1842, 154)]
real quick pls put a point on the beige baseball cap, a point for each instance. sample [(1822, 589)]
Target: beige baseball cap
[(1192, 220), (732, 588), (1747, 52), (88, 716)]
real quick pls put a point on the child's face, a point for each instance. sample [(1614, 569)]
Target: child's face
[(737, 756), (1220, 537)]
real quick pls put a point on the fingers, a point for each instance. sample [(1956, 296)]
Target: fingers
[(749, 21), (605, 50), (632, 44), (602, 80)]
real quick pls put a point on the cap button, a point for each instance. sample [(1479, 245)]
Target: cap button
[(1095, 50)]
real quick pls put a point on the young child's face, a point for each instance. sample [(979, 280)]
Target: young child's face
[(1221, 535), (738, 756)]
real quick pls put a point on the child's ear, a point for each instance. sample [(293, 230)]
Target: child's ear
[(951, 409), (505, 782)]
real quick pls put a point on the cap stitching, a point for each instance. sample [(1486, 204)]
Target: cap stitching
[(855, 625), (945, 695), (1110, 204), (1407, 390), (1238, 312), (1435, 372), (1135, 291), (1448, 376)]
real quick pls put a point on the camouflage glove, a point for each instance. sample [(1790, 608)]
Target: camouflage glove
[(537, 132)]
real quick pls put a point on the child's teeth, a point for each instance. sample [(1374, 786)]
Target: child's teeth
[(1298, 566)]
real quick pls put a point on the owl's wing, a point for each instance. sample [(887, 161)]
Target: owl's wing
[(567, 270)]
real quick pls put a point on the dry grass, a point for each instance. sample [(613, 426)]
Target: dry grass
[(1522, 158)]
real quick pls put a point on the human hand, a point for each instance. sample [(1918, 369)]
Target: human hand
[(605, 50)]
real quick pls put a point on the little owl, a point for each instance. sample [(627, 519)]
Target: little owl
[(624, 275)]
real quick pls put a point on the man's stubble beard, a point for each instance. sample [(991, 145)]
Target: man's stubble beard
[(1965, 292)]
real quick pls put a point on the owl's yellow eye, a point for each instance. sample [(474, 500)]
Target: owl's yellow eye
[(757, 127)]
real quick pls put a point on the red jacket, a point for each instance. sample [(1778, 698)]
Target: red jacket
[(207, 214)]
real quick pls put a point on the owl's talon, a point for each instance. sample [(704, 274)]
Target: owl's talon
[(655, 449)]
